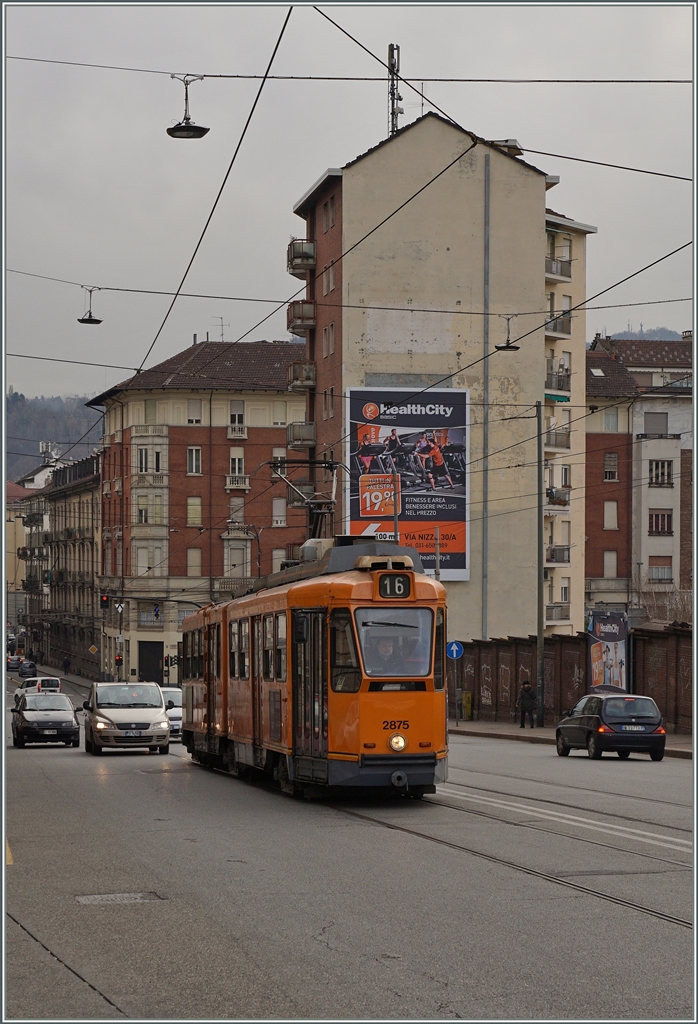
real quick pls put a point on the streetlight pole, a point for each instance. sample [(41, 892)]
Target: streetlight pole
[(540, 633)]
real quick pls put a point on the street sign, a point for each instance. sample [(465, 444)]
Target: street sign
[(92, 650), (119, 607), (120, 638), (454, 650)]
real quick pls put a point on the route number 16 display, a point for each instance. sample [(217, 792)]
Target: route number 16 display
[(394, 585)]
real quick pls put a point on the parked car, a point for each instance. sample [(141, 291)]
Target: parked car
[(120, 715), (13, 662), (173, 704), (45, 718), (37, 684), (610, 721), (27, 669)]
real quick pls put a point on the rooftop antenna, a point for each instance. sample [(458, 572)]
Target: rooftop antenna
[(222, 325), (394, 96)]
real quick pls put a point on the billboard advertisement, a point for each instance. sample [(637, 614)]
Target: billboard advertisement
[(420, 441), (608, 661)]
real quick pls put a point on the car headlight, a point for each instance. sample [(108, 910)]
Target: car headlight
[(397, 742), (103, 723), (161, 725)]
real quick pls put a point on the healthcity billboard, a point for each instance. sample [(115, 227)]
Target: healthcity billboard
[(421, 440), (608, 659)]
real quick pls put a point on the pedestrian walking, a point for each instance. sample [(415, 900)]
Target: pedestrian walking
[(527, 702), (66, 665)]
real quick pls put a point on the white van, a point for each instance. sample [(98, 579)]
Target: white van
[(120, 715)]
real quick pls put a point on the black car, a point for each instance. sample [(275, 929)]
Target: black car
[(27, 669), (612, 721), (13, 662), (45, 718)]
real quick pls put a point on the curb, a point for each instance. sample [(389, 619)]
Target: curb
[(550, 740)]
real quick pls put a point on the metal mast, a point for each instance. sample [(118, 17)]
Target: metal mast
[(394, 96)]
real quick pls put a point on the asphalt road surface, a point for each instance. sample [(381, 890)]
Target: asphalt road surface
[(529, 886)]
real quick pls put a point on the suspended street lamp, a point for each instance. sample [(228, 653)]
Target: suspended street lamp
[(186, 129), (88, 318), (509, 346)]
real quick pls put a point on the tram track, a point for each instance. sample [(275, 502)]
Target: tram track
[(533, 872)]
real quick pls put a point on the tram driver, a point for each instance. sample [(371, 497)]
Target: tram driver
[(387, 661)]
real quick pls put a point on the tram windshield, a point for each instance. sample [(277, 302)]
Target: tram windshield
[(395, 641)]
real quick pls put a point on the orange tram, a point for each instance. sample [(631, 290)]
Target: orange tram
[(330, 673)]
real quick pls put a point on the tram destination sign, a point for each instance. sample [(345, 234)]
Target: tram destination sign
[(408, 449)]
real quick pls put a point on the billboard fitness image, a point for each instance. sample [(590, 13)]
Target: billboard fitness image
[(423, 437)]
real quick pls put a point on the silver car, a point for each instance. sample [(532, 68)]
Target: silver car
[(121, 715), (173, 697)]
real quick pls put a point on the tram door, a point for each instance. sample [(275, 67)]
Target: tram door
[(257, 685), (310, 682)]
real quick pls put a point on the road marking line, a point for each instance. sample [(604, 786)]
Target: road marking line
[(8, 854), (620, 831)]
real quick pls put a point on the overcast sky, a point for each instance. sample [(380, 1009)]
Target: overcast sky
[(97, 192)]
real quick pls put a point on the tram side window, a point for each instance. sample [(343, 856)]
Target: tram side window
[(280, 667), (186, 673), (199, 653), (233, 648), (346, 676), (439, 672), (268, 657), (244, 649), (212, 652)]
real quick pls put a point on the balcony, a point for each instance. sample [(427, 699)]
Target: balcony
[(558, 554), (557, 496), (300, 317), (118, 487), (558, 268), (557, 613), (147, 620), (300, 435), (237, 482), (558, 381), (300, 257), (648, 437), (23, 553), (106, 487), (149, 480), (301, 376), (560, 325), (149, 428), (232, 583), (557, 439), (237, 431)]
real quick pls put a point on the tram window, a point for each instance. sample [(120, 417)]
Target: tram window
[(280, 666), (244, 649), (233, 648), (395, 641), (268, 655), (219, 666), (212, 652), (185, 659), (199, 653), (439, 673), (346, 675)]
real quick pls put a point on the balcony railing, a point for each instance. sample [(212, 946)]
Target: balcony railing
[(237, 430), (237, 482), (557, 438), (557, 496), (558, 381), (149, 428), (147, 620), (557, 612), (300, 316), (231, 583), (300, 435), (149, 480), (560, 268), (117, 485), (106, 487), (558, 553), (301, 375), (560, 325), (300, 257)]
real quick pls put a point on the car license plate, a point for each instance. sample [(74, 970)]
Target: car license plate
[(50, 732), (633, 728), (133, 733)]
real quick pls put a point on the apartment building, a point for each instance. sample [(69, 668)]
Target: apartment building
[(190, 509), (15, 552), (427, 301)]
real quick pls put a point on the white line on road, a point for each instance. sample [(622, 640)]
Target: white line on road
[(621, 831)]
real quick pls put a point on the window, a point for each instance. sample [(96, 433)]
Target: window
[(566, 306), (331, 275), (610, 515), (268, 655), (142, 567), (565, 248), (194, 512), (596, 372), (659, 568), (278, 414), (346, 675), (237, 461), (325, 341), (331, 211), (142, 508), (278, 515), (565, 589), (278, 556), (194, 461), (237, 511), (610, 420), (656, 422), (439, 651), (157, 509), (237, 413), (244, 649), (278, 455), (331, 402), (610, 565), (194, 410), (661, 521), (565, 476), (142, 460), (193, 561), (280, 666), (233, 648), (325, 280), (325, 216), (331, 339), (235, 560), (661, 473), (324, 404), (157, 462), (150, 410), (610, 466)]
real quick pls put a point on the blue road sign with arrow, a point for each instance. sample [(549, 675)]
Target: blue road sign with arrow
[(454, 650)]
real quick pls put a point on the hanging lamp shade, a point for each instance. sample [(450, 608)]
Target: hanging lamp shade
[(186, 129), (88, 319)]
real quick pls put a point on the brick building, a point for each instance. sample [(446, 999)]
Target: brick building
[(190, 511)]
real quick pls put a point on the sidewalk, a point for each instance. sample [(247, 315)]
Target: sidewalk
[(677, 745), (82, 682)]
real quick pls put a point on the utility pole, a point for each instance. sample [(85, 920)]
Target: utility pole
[(396, 529), (394, 96), (541, 561)]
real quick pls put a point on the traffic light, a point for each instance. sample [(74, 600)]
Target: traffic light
[(156, 611), (167, 661), (104, 601)]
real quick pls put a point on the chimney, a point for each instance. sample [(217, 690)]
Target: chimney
[(194, 341)]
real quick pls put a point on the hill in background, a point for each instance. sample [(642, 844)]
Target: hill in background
[(60, 420), (654, 334)]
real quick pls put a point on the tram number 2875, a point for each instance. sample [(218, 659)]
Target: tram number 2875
[(394, 585), (393, 724)]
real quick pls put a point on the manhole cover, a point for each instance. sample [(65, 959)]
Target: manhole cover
[(120, 897)]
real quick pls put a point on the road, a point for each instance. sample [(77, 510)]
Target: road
[(528, 887)]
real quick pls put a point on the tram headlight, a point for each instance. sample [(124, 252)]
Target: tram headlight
[(397, 742)]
